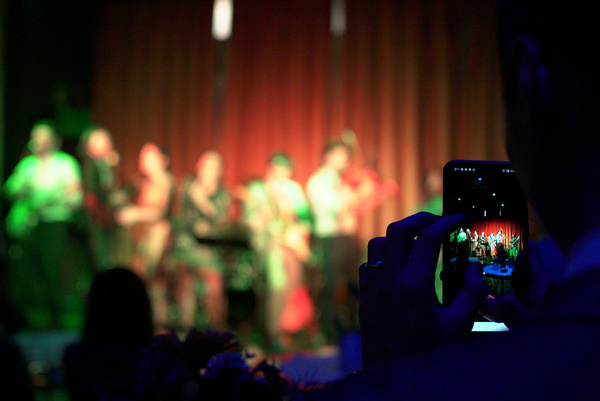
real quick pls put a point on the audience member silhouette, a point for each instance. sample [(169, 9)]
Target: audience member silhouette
[(415, 349), (115, 360), (15, 383)]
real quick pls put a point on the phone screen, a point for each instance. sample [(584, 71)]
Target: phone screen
[(495, 230)]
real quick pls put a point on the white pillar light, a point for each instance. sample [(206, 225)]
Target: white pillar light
[(337, 23), (222, 19)]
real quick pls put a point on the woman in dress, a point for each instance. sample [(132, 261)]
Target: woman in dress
[(204, 210)]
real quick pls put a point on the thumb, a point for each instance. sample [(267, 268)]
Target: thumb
[(461, 313), (507, 310)]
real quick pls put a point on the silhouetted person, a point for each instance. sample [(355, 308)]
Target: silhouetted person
[(15, 383), (114, 359), (118, 323), (415, 349)]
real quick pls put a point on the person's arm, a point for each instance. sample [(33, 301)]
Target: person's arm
[(18, 184), (151, 209), (73, 191), (400, 314), (208, 206)]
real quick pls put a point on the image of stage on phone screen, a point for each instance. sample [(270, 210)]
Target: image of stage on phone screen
[(495, 228)]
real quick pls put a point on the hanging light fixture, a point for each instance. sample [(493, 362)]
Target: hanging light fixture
[(337, 23), (222, 19)]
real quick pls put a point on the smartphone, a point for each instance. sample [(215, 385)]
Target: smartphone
[(495, 231)]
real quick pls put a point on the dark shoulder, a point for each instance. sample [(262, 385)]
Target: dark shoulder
[(544, 360)]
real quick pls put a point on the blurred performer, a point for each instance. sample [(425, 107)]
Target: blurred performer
[(204, 210), (278, 215), (100, 182), (433, 188), (334, 204), (46, 187), (150, 218)]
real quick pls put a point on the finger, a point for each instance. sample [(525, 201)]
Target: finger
[(400, 240), (420, 270), (538, 278), (507, 310), (369, 274), (375, 250), (362, 281), (461, 313)]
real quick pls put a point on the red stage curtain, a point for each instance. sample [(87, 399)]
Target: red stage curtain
[(154, 78), (417, 81)]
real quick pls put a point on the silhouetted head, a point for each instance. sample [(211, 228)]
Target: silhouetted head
[(551, 92), (118, 310)]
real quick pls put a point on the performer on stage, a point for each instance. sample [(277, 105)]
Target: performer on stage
[(514, 246), (334, 208), (492, 244), (484, 244), (500, 238), (46, 188), (149, 216), (204, 210), (277, 212), (100, 185), (341, 192), (475, 244)]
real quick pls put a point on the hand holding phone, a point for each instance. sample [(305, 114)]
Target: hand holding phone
[(399, 311)]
